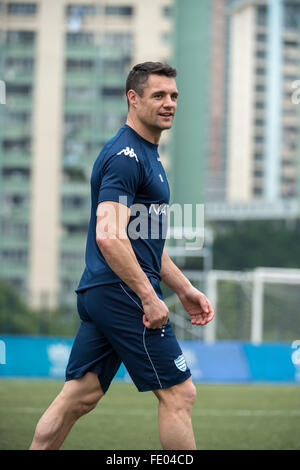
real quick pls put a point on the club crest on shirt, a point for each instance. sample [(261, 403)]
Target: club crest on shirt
[(180, 363), (129, 152)]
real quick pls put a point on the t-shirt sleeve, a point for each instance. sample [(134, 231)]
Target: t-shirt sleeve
[(121, 177)]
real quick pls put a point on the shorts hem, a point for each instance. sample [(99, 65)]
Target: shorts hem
[(179, 381), (81, 374)]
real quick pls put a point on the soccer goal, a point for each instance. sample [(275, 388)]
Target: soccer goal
[(259, 305)]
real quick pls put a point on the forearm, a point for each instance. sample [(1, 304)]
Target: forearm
[(172, 276), (121, 258)]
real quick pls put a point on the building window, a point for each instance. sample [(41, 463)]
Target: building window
[(112, 92), (118, 10), (290, 43), (13, 90), (75, 229), (80, 93), (14, 256), (260, 71), (14, 228), (288, 163), (81, 10), (260, 88), (261, 37), (261, 13), (20, 37), (291, 60), (71, 258), (19, 65), (79, 65), (16, 174), (112, 122), (291, 16), (22, 8), (74, 202), (258, 191), (167, 11), (80, 39), (16, 145), (116, 65), (76, 121), (17, 118), (123, 40), (166, 37), (15, 201), (292, 78), (261, 54)]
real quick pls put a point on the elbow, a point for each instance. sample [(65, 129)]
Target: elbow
[(104, 242)]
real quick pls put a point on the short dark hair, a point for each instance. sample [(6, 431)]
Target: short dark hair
[(139, 75)]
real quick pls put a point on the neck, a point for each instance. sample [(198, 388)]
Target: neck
[(150, 134)]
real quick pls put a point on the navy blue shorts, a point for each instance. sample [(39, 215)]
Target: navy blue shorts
[(112, 331)]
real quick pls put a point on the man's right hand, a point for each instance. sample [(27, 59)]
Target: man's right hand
[(155, 312)]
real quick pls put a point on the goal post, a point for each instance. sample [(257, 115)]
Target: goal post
[(273, 284)]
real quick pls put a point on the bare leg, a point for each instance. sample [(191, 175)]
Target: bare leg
[(174, 416), (77, 397)]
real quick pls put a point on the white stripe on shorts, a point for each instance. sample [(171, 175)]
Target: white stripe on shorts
[(144, 343)]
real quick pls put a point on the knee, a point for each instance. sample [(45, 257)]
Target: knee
[(180, 397), (86, 403), (189, 393), (79, 404)]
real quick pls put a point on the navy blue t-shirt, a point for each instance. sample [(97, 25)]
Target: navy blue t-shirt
[(128, 170)]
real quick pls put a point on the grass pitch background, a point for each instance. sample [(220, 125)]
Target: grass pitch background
[(224, 417)]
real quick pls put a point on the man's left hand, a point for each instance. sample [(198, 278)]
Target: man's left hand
[(197, 306)]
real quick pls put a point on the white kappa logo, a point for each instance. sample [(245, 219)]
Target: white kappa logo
[(128, 152), (180, 363)]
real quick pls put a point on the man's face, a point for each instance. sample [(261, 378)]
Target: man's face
[(156, 108)]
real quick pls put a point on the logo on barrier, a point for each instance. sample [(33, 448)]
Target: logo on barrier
[(58, 355), (2, 352), (193, 362), (2, 92), (296, 358)]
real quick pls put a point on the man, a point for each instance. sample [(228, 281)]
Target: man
[(123, 316)]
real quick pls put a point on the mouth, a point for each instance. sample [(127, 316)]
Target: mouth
[(166, 115)]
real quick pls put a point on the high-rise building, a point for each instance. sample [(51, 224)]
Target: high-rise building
[(201, 51), (64, 64), (263, 120), (236, 134)]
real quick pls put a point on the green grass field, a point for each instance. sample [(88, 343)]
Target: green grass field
[(224, 416)]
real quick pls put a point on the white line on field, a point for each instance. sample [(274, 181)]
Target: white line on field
[(144, 411)]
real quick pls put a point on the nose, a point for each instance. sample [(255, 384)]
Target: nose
[(168, 102)]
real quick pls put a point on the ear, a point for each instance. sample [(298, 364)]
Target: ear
[(132, 98)]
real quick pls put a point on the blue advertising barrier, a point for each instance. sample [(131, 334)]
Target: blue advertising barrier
[(223, 361)]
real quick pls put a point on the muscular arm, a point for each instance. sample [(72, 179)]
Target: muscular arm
[(195, 302), (112, 240), (172, 276)]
